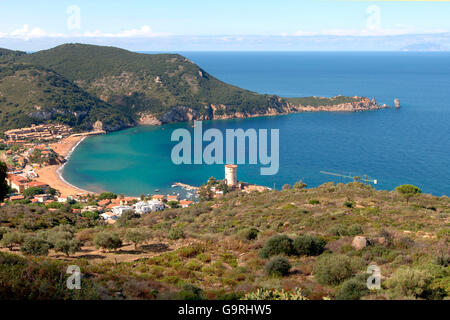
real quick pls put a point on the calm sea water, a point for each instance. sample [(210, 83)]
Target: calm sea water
[(409, 145)]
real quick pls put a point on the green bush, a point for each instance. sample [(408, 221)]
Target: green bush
[(35, 246), (176, 233), (300, 185), (107, 240), (278, 266), (308, 245), (107, 195), (2, 232), (190, 292), (332, 269), (90, 215), (348, 204), (341, 230), (10, 239), (314, 202), (274, 294), (248, 234), (276, 245), (33, 191), (353, 289), (410, 283)]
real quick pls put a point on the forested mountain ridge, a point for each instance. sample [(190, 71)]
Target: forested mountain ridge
[(87, 83)]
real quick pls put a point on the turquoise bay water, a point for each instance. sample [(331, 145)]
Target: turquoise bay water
[(409, 145)]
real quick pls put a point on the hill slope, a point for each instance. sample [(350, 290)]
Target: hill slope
[(167, 86), (79, 84), (209, 246), (31, 94)]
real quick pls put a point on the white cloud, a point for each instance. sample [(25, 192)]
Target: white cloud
[(27, 33), (401, 30), (143, 32)]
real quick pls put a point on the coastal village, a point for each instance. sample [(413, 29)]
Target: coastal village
[(34, 156)]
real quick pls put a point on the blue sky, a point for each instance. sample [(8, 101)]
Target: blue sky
[(112, 21)]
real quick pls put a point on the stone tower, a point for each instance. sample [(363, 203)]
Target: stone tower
[(231, 175)]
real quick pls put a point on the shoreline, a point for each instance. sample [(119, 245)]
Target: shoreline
[(52, 175)]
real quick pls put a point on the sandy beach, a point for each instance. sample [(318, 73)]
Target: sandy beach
[(50, 174)]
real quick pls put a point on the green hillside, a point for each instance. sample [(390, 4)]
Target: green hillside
[(227, 247), (31, 94), (78, 84), (150, 83)]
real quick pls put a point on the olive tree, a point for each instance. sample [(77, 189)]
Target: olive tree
[(137, 236), (107, 240)]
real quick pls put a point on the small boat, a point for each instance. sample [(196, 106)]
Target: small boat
[(157, 190)]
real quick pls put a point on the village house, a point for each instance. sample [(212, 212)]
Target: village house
[(15, 198), (158, 197), (119, 210), (109, 216), (172, 198), (186, 203), (36, 184), (156, 205), (17, 182), (104, 203), (38, 132), (42, 197), (142, 207)]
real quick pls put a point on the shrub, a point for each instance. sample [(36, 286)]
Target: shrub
[(348, 204), (313, 202), (278, 266), (353, 289), (2, 232), (90, 215), (341, 230), (191, 251), (33, 191), (248, 234), (308, 245), (332, 269), (107, 240), (276, 245), (10, 239), (190, 292), (173, 204), (176, 233), (35, 246), (407, 282), (274, 294), (300, 185), (126, 217), (354, 230), (442, 259), (107, 195)]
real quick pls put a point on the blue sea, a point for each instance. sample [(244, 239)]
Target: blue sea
[(409, 145)]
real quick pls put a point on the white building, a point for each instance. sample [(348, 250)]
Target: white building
[(231, 175), (119, 210), (156, 205), (143, 207)]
